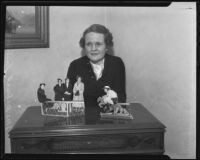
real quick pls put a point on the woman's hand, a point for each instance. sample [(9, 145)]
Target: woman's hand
[(67, 93)]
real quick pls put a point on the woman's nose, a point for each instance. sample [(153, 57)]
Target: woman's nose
[(93, 47)]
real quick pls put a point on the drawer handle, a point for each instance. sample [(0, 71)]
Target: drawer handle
[(89, 142)]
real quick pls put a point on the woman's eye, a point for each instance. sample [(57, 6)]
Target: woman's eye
[(98, 44), (89, 44)]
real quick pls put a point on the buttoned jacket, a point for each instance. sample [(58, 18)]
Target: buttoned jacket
[(113, 75)]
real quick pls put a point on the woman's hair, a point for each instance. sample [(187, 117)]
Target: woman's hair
[(59, 79), (97, 28), (42, 84)]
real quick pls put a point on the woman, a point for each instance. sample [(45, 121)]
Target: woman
[(98, 68), (78, 90), (41, 94)]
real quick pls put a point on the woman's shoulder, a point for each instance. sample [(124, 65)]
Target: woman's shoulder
[(113, 58), (114, 61), (79, 61)]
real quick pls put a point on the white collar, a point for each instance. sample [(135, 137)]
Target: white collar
[(98, 69)]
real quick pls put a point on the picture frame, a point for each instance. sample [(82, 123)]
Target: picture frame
[(27, 27)]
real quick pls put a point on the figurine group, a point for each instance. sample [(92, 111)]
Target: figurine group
[(109, 102), (66, 92), (63, 91)]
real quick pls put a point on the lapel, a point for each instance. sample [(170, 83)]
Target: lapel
[(88, 66), (90, 70), (106, 62)]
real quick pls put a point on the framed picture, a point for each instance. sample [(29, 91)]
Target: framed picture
[(27, 27)]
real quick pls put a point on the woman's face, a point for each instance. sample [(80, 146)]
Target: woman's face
[(67, 80), (59, 82), (105, 90), (95, 46), (79, 79), (42, 86)]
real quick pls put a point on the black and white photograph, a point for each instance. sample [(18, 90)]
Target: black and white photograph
[(100, 80)]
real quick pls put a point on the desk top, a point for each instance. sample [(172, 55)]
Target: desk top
[(33, 124)]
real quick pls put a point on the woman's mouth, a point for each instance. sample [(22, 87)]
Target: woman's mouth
[(94, 54)]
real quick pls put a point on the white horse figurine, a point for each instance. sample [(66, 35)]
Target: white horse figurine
[(106, 101)]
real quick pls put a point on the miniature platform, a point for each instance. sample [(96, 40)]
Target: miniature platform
[(75, 108), (116, 116), (112, 115), (63, 108)]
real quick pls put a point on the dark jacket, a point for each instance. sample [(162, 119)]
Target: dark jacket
[(113, 76), (58, 92), (41, 95), (68, 89)]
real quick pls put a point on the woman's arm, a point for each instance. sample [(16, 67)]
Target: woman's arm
[(81, 88), (120, 81), (75, 88)]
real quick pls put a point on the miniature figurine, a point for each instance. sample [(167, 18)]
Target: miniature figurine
[(78, 90), (111, 96), (109, 102), (103, 104), (118, 109), (58, 89), (67, 89), (55, 107), (41, 94)]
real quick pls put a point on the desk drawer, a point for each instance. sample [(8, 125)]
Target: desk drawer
[(90, 143)]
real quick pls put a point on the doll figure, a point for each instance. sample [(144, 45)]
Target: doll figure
[(41, 94), (67, 90), (78, 90), (109, 102), (58, 89), (111, 96), (118, 109)]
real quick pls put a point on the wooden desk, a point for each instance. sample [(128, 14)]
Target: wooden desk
[(34, 133)]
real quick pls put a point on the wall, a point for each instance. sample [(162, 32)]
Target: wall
[(157, 46), (25, 69)]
